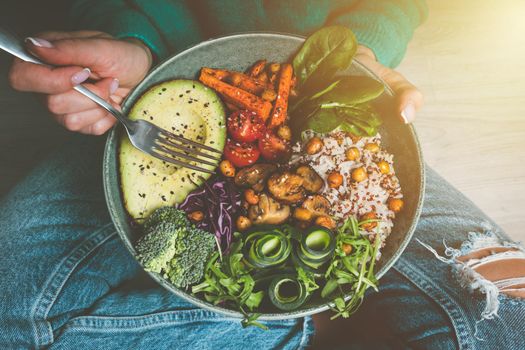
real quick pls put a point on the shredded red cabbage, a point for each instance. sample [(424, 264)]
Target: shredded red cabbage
[(219, 200)]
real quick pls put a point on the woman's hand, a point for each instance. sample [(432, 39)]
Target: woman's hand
[(114, 67), (409, 98)]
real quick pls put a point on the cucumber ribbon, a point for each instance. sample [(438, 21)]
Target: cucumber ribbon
[(287, 292), (269, 248), (314, 249)]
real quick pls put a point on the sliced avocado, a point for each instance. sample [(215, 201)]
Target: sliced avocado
[(183, 107)]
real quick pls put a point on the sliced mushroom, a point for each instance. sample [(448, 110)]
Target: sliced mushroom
[(318, 205), (254, 176), (312, 182), (286, 187), (268, 211)]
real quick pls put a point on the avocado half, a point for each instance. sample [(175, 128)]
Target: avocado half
[(183, 107)]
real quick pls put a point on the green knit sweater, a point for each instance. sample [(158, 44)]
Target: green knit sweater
[(169, 26)]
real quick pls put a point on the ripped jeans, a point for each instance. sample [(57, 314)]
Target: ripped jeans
[(67, 282)]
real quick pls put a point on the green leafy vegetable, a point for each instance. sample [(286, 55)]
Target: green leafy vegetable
[(327, 103), (173, 246), (353, 273), (325, 52), (229, 281)]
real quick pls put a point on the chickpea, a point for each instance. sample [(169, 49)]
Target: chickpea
[(347, 248), (227, 168), (325, 221), (352, 154), (369, 225), (269, 95), (335, 179), (359, 174), (251, 197), (395, 204), (243, 223), (302, 214), (383, 166), (196, 216), (372, 147), (314, 145), (284, 132), (274, 67)]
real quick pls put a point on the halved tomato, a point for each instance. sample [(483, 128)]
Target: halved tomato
[(241, 154), (245, 126), (273, 147)]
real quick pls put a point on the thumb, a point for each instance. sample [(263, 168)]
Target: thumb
[(408, 98)]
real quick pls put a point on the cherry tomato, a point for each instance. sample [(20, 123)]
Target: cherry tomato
[(241, 154), (245, 126), (274, 148)]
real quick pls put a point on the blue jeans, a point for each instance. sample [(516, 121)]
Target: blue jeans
[(67, 282)]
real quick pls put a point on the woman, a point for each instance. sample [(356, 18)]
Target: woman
[(67, 281)]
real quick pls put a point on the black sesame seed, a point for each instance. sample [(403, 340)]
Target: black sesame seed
[(188, 91), (171, 192), (164, 89), (181, 95), (163, 198), (150, 118), (177, 113)]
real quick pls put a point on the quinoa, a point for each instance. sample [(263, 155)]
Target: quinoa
[(354, 198)]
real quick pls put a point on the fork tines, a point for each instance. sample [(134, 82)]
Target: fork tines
[(175, 149)]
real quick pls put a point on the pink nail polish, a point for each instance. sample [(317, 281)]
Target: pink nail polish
[(408, 114), (39, 42), (114, 86), (80, 77)]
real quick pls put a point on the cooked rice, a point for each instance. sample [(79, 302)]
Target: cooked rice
[(354, 198)]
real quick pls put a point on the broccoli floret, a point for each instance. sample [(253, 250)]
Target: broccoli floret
[(173, 246), (166, 215), (187, 268)]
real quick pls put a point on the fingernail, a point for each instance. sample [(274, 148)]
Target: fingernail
[(81, 76), (114, 86), (409, 113), (39, 42)]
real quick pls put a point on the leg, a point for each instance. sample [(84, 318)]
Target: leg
[(420, 304), (68, 282)]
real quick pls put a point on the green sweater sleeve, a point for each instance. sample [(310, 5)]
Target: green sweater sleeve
[(384, 26), (124, 18)]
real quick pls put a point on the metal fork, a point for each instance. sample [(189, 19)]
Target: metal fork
[(144, 135)]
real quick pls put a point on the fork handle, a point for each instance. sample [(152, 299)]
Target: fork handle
[(13, 45)]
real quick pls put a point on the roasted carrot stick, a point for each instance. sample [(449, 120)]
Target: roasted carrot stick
[(256, 68), (248, 83), (220, 74), (237, 96), (280, 107)]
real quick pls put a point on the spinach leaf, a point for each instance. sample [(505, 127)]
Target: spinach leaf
[(350, 90), (361, 120), (325, 52)]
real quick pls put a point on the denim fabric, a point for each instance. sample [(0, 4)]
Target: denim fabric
[(66, 281)]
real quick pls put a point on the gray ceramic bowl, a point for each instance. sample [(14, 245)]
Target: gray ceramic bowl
[(237, 52)]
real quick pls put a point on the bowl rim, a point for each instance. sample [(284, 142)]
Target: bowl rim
[(109, 192)]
